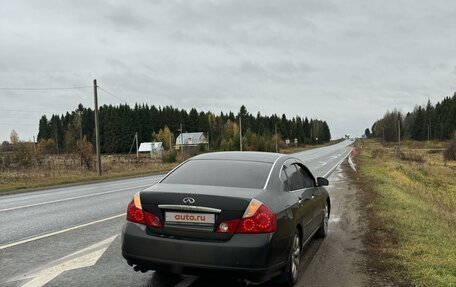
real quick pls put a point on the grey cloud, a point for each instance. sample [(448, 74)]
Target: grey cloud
[(126, 17), (250, 67), (289, 67), (357, 58)]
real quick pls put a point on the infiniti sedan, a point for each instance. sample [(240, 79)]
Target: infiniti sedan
[(238, 214)]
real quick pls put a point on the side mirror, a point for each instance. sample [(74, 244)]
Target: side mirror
[(321, 181)]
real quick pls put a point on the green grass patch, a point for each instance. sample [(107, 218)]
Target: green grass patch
[(422, 220)]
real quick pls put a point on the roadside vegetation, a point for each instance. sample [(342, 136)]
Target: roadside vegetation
[(119, 124), (50, 170), (64, 151), (24, 165), (430, 122), (411, 203)]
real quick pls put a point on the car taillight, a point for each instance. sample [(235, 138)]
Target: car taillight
[(136, 214), (258, 218)]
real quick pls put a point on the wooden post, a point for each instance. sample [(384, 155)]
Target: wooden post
[(182, 141), (97, 130), (277, 146), (240, 132), (137, 152)]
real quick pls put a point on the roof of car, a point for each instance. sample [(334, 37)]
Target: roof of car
[(245, 156)]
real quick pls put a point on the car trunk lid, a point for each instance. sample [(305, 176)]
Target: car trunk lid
[(194, 212)]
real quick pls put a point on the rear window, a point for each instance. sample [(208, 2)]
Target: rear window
[(231, 173)]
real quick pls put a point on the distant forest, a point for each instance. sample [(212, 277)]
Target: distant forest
[(423, 123), (118, 125)]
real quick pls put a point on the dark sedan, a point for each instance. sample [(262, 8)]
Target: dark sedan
[(238, 214)]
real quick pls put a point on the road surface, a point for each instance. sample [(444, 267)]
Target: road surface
[(69, 236)]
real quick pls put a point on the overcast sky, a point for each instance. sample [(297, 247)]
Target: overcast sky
[(345, 62)]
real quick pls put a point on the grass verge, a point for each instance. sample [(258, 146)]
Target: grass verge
[(66, 169), (412, 207)]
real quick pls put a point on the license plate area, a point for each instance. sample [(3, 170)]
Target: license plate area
[(190, 220)]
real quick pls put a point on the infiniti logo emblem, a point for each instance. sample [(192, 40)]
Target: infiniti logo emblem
[(188, 200)]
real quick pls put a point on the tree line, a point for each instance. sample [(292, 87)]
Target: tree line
[(118, 125), (427, 122)]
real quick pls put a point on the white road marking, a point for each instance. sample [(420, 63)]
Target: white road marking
[(71, 198), (82, 258), (335, 219), (59, 232), (337, 164)]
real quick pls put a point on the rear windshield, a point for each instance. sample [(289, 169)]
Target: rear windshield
[(231, 173)]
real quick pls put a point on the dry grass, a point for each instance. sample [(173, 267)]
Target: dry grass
[(415, 203), (63, 169)]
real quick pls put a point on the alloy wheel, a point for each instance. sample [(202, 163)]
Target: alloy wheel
[(295, 257), (326, 219)]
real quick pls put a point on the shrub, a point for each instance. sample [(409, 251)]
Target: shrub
[(23, 155), (377, 153), (450, 152), (411, 157), (169, 157), (85, 151), (46, 146)]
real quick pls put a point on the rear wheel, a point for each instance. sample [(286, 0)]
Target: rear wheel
[(323, 231), (290, 275)]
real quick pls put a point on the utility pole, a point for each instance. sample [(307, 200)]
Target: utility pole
[(429, 131), (135, 140), (80, 126), (208, 146), (170, 141), (97, 129), (182, 141), (277, 146), (137, 152), (240, 132), (399, 133), (34, 147), (57, 139), (80, 137), (311, 135)]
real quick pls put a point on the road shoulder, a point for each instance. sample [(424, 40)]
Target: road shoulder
[(339, 259)]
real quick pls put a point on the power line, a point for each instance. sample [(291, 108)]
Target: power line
[(111, 94), (44, 88), (18, 124), (26, 116), (22, 111)]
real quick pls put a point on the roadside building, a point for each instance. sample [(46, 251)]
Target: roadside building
[(191, 140), (151, 147)]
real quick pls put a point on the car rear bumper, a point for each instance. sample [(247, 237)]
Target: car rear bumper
[(244, 255)]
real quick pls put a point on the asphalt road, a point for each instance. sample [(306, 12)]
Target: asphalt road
[(70, 236)]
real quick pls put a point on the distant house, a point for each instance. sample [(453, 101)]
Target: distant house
[(190, 139), (151, 147)]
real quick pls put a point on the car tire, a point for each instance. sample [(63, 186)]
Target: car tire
[(290, 275), (323, 230)]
